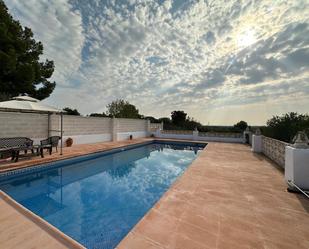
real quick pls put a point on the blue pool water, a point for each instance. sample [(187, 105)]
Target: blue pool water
[(97, 200)]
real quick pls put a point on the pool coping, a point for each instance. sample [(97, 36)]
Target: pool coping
[(177, 180), (11, 167), (172, 224), (55, 163), (52, 230), (43, 224)]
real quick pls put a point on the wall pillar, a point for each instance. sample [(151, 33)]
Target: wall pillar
[(296, 162), (257, 141), (247, 136), (195, 134)]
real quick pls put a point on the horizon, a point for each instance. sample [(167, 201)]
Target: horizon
[(218, 62)]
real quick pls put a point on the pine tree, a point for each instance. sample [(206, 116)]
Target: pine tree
[(20, 70)]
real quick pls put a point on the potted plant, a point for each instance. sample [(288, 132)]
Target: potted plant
[(69, 142)]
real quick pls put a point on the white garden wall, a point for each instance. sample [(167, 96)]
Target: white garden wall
[(15, 124), (195, 135), (82, 130), (135, 134)]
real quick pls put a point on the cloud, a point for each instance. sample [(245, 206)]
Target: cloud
[(59, 28), (175, 54), (281, 55), (209, 37)]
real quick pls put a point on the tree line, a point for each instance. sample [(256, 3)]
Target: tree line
[(282, 127), (118, 108), (286, 126), (21, 70)]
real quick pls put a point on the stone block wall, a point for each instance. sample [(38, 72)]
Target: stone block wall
[(14, 124), (131, 125), (78, 125), (125, 127), (81, 129), (274, 150)]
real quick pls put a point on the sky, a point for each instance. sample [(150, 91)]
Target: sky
[(219, 61)]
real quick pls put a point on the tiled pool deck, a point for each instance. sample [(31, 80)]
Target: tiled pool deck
[(228, 198)]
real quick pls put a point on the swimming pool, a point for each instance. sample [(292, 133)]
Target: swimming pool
[(98, 198)]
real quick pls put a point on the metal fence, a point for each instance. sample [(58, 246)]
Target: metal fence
[(221, 134), (227, 137), (181, 132)]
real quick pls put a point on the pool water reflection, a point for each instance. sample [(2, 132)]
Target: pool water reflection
[(98, 201)]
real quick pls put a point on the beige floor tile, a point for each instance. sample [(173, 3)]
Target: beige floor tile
[(228, 198)]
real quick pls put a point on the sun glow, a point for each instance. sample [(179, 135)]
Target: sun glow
[(246, 38)]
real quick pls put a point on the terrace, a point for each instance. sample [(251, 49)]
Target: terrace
[(228, 198), (98, 172)]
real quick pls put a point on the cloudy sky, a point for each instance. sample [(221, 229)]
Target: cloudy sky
[(220, 61)]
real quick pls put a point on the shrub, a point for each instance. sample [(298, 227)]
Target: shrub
[(286, 126)]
